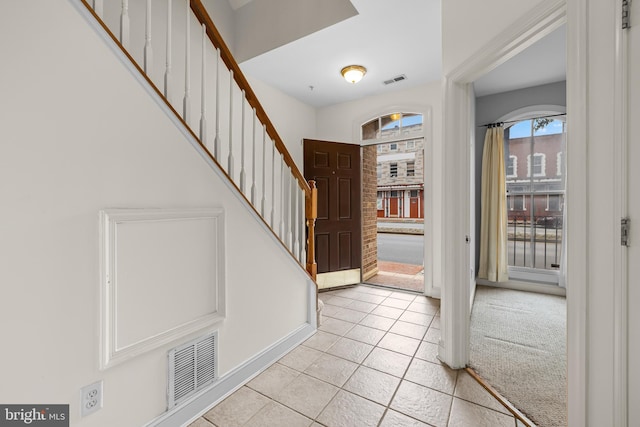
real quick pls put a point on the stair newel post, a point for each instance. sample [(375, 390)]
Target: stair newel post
[(243, 174), (311, 214), (148, 50), (98, 8), (230, 158), (294, 216), (216, 141), (186, 104), (124, 24), (273, 184), (167, 71), (301, 224), (253, 164), (264, 170), (203, 96)]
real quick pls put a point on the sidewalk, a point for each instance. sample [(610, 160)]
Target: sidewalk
[(398, 275), (401, 225)]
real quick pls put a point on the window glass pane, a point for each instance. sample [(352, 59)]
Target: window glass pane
[(535, 194), (411, 166), (520, 129), (411, 123), (390, 125), (547, 126), (393, 146), (414, 193), (371, 130), (393, 170)]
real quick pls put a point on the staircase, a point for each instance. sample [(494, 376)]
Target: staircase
[(178, 51)]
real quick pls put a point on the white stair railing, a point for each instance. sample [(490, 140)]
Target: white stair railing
[(282, 206)]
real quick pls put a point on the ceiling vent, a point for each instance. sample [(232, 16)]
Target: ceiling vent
[(192, 366), (395, 79)]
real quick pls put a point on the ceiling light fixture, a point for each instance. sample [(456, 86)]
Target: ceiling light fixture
[(353, 73)]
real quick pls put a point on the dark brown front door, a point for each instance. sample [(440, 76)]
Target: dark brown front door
[(336, 169)]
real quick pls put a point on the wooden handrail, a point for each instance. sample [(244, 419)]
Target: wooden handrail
[(212, 32)]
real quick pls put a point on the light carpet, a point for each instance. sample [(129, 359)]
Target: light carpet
[(518, 345)]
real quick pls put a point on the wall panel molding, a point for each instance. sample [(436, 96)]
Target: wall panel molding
[(162, 277)]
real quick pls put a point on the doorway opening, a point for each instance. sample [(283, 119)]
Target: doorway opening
[(399, 199)]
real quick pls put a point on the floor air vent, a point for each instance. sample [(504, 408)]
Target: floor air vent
[(395, 79), (192, 366)]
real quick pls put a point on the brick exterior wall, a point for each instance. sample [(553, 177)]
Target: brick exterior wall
[(369, 213)]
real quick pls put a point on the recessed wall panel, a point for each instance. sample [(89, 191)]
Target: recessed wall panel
[(163, 277)]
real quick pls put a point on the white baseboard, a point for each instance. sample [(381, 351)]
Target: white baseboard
[(195, 407), (518, 285)]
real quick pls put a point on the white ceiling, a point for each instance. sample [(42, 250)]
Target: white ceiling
[(389, 39)]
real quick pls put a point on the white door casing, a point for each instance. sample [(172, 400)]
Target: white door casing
[(458, 128), (631, 155)]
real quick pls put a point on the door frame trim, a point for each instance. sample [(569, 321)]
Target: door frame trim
[(432, 279), (458, 125)]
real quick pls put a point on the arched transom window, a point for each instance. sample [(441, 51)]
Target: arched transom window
[(392, 126)]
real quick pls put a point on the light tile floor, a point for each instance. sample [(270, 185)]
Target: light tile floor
[(372, 362)]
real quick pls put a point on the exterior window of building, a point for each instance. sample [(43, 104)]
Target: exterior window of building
[(559, 164), (413, 193), (379, 170), (394, 194), (512, 167), (538, 165), (393, 147), (379, 148), (393, 170), (411, 145), (411, 168)]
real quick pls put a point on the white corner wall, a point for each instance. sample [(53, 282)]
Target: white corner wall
[(79, 134)]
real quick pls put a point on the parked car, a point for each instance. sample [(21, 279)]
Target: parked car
[(549, 221)]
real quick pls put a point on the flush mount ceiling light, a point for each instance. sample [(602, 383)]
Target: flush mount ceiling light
[(353, 73)]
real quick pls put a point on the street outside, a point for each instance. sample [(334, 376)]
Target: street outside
[(403, 248)]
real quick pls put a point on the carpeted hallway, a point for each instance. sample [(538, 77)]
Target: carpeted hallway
[(518, 345)]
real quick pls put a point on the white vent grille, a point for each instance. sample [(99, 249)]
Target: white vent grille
[(395, 79), (192, 366)]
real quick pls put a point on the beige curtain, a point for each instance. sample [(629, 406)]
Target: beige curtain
[(493, 221)]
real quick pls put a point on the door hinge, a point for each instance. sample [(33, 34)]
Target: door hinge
[(626, 12), (624, 231)]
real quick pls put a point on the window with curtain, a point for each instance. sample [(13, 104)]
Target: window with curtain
[(535, 194)]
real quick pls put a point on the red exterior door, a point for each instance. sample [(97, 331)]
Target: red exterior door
[(336, 169), (393, 207)]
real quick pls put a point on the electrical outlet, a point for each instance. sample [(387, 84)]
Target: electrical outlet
[(91, 398)]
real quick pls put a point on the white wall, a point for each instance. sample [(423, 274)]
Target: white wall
[(79, 134), (341, 123), (262, 26), (223, 18)]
